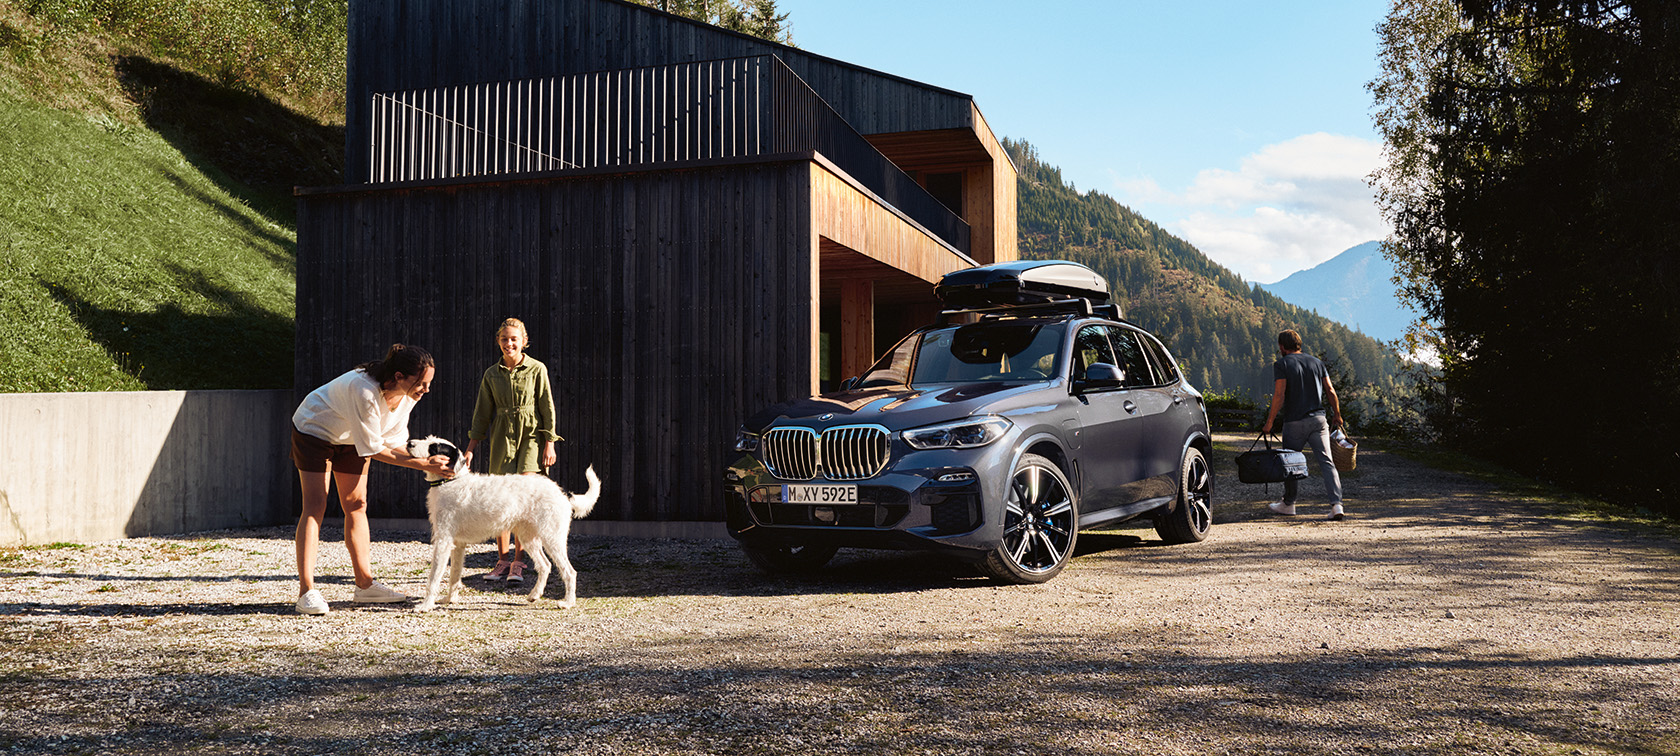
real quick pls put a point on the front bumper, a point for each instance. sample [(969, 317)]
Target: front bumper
[(941, 500)]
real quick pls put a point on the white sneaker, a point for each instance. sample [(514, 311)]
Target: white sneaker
[(1336, 512), (311, 602), (1282, 508), (379, 593)]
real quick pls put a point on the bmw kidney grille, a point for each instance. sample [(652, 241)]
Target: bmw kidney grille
[(850, 452)]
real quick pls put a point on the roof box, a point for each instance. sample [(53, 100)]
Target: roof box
[(1022, 282)]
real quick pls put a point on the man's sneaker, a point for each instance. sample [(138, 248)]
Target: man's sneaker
[(311, 602), (1336, 512), (499, 574), (516, 573), (1282, 508), (379, 593)]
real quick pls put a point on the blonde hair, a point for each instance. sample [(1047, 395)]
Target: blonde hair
[(514, 323)]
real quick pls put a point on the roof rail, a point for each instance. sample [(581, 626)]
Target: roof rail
[(1075, 306), (1081, 307)]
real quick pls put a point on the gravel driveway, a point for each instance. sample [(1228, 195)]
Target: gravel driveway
[(1443, 617)]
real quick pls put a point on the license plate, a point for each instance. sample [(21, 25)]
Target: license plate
[(817, 494)]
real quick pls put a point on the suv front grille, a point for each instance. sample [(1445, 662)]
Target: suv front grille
[(854, 452), (791, 453), (849, 452)]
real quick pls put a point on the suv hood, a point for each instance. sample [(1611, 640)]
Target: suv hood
[(900, 407)]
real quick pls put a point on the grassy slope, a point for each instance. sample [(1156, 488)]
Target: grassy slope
[(124, 266), (147, 232)]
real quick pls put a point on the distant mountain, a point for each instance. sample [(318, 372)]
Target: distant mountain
[(1223, 329), (1354, 288)]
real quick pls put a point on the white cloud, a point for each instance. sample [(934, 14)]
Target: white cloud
[(1290, 206)]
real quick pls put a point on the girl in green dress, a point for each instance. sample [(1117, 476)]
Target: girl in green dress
[(515, 415)]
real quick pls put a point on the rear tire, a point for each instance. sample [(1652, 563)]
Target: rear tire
[(785, 558), (1191, 515), (1040, 525)]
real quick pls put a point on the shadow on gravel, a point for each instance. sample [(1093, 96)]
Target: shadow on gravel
[(1056, 694), (36, 609)]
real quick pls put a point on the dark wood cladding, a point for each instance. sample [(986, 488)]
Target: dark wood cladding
[(708, 111), (416, 44), (666, 305)]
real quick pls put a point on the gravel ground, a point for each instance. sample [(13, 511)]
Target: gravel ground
[(1443, 617)]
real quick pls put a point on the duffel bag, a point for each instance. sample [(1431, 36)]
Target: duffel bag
[(1270, 465)]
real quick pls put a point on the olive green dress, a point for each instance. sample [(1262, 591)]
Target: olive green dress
[(514, 414)]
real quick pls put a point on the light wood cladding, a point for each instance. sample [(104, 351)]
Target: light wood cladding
[(857, 221), (988, 179), (857, 326)]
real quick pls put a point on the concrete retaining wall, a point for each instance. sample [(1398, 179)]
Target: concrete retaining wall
[(84, 467)]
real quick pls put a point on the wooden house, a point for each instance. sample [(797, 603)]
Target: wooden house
[(693, 223)]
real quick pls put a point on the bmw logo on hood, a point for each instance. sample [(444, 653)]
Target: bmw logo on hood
[(826, 416)]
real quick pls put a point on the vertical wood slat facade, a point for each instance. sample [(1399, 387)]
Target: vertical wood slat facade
[(402, 45), (661, 328), (709, 110)]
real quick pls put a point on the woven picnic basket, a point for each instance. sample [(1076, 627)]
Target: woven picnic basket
[(1346, 457)]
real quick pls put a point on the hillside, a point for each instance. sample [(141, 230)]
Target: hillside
[(1355, 288), (147, 236), (1223, 328)]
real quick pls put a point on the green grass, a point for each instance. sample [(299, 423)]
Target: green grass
[(125, 266), (147, 231)]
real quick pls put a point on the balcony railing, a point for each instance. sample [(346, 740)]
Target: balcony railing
[(738, 107)]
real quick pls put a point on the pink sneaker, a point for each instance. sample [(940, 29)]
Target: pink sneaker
[(499, 574), (516, 573)]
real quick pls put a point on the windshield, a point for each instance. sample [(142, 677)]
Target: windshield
[(989, 352)]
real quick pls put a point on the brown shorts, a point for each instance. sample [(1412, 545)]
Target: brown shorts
[(311, 454)]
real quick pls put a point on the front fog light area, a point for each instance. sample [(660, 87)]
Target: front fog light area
[(963, 434)]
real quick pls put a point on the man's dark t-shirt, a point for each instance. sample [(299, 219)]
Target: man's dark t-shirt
[(1303, 394)]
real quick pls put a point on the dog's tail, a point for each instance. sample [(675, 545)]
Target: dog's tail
[(584, 503)]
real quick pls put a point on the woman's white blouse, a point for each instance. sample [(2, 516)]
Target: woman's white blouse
[(351, 410)]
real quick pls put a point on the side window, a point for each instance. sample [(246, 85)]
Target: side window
[(1090, 348), (1164, 365), (1133, 365)]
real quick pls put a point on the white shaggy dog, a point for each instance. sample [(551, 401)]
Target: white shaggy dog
[(470, 508)]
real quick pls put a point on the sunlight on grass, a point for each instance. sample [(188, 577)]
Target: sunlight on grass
[(125, 267)]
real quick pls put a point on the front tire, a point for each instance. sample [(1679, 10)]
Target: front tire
[(1040, 525), (782, 558), (1191, 515)]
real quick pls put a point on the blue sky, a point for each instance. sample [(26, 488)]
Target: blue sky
[(1243, 127)]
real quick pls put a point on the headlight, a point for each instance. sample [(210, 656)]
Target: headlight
[(963, 434), (746, 441)]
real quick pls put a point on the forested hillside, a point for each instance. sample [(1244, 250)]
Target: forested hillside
[(1223, 328)]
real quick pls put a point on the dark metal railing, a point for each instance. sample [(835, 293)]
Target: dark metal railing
[(738, 107)]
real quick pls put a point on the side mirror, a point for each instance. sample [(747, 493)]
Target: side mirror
[(1101, 375), (851, 383)]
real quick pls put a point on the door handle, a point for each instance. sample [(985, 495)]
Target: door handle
[(1131, 408)]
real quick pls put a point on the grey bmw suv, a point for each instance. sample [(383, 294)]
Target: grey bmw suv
[(1031, 411)]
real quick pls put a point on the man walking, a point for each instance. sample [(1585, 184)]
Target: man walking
[(1301, 392)]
